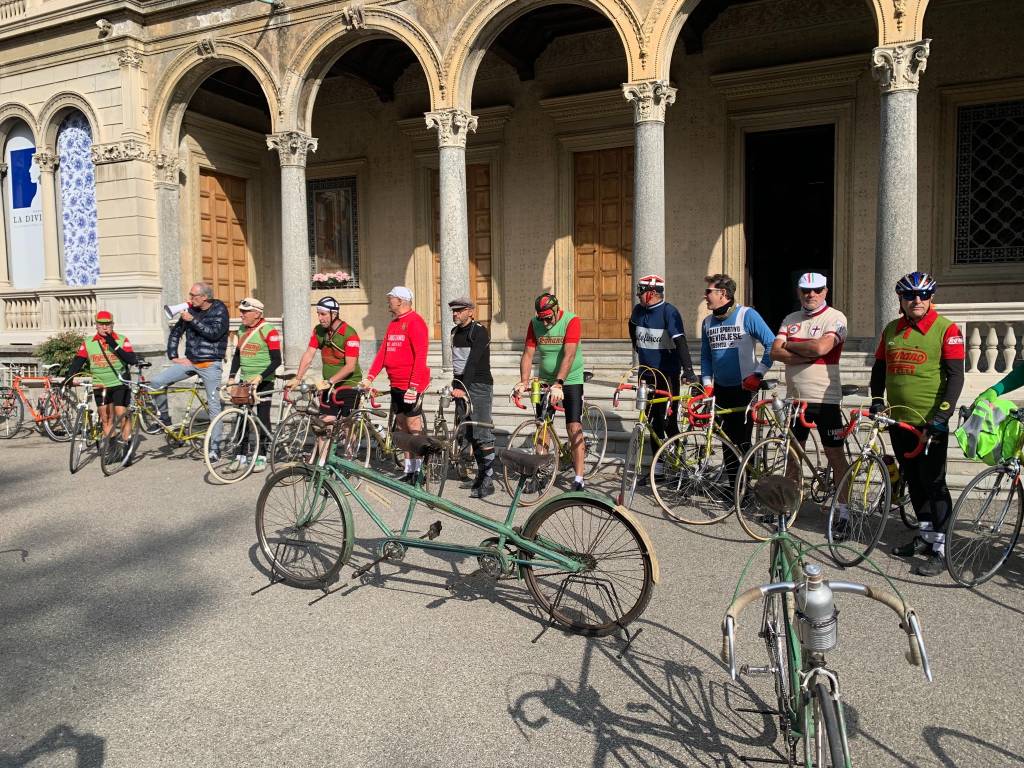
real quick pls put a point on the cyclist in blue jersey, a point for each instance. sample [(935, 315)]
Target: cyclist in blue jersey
[(729, 368), (659, 340)]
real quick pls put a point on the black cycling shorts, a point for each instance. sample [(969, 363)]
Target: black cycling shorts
[(402, 408), (829, 419), (119, 396), (572, 403), (337, 402)]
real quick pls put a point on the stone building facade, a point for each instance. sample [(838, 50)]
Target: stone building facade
[(501, 148)]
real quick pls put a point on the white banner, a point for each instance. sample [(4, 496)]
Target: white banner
[(24, 210)]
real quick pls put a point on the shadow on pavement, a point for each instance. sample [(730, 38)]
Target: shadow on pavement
[(89, 750), (955, 749)]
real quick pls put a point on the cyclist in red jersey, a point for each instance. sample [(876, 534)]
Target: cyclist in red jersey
[(403, 354)]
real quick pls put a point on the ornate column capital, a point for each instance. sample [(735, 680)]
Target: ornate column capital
[(165, 167), (452, 125), (292, 147), (651, 98), (47, 161), (899, 67), (129, 58)]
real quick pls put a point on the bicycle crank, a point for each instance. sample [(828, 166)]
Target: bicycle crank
[(395, 550)]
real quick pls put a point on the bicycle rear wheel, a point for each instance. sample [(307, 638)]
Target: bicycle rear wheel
[(82, 440), (868, 492), (618, 580), (632, 466), (694, 485), (595, 438), (148, 421), (825, 748), (198, 426), (354, 444), (65, 406), (984, 526), (303, 526), (771, 456), (236, 447), (293, 441), (12, 413), (534, 436)]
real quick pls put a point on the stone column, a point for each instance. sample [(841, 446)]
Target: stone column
[(452, 126), (5, 273), (47, 162), (168, 225), (898, 70), (650, 102), (292, 148)]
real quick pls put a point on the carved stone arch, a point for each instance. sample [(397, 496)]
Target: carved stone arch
[(485, 20), (317, 55), (187, 72), (13, 111), (53, 112), (666, 19)]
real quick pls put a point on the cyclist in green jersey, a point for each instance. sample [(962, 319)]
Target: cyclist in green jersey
[(555, 335), (1011, 381), (257, 356), (338, 344)]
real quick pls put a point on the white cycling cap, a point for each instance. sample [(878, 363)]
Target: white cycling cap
[(400, 292), (812, 280)]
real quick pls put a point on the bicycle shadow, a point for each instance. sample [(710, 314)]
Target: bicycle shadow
[(681, 717), (89, 750)]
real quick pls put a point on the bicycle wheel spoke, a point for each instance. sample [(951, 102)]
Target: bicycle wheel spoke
[(984, 526)]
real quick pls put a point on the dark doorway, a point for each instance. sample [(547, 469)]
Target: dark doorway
[(789, 214)]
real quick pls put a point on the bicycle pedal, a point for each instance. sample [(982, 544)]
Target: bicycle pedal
[(746, 669), (433, 531)]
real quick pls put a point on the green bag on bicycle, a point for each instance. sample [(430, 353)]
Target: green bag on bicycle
[(990, 435)]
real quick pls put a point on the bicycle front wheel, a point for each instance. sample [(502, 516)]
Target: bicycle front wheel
[(12, 413), (148, 421), (535, 436), (65, 406), (595, 438), (293, 441), (771, 456), (116, 452), (617, 581), (198, 426), (984, 526), (232, 455), (303, 526), (82, 440), (353, 443), (694, 485), (867, 491), (823, 742), (632, 466)]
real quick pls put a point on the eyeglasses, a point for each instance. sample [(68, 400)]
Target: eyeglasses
[(911, 295), (104, 322), (709, 291), (809, 291), (194, 295)]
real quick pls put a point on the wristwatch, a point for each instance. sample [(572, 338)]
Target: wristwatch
[(559, 382)]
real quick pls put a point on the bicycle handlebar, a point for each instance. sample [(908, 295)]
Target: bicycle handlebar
[(917, 655), (516, 399), (924, 440)]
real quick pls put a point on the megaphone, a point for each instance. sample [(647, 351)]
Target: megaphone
[(175, 309)]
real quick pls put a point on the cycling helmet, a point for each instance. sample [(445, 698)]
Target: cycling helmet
[(546, 306), (654, 283), (916, 281), (328, 304)]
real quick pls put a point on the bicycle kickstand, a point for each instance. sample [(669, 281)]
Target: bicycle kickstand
[(274, 577), (613, 599)]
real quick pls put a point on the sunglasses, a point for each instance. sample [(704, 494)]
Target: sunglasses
[(911, 295), (809, 291), (709, 291), (104, 322)]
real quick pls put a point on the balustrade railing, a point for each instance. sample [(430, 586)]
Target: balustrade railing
[(22, 313), (12, 9), (76, 312), (993, 334), (44, 311)]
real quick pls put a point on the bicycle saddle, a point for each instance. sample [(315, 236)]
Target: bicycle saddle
[(418, 445), (779, 494), (524, 463), (769, 383), (849, 390), (143, 364)]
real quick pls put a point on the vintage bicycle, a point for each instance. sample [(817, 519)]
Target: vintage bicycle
[(88, 430), (53, 411), (457, 452), (587, 563), (985, 523), (799, 626), (538, 436)]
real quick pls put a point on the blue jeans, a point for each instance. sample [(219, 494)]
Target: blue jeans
[(211, 376)]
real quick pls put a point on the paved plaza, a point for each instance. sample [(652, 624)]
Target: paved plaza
[(130, 638)]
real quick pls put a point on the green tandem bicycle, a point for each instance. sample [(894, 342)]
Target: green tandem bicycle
[(587, 563)]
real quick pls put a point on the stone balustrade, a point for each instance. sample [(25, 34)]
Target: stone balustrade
[(12, 9), (21, 313), (49, 311), (993, 334)]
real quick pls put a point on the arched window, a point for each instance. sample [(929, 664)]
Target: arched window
[(22, 208), (77, 201)]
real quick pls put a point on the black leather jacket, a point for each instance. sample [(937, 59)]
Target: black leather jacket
[(206, 336)]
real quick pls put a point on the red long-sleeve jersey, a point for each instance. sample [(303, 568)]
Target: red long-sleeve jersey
[(404, 353)]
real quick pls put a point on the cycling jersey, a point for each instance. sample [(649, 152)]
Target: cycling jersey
[(817, 380), (655, 330), (1011, 381), (727, 346), (254, 348), (550, 343), (336, 345), (101, 357), (403, 353)]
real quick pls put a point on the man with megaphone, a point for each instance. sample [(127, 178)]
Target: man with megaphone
[(204, 323)]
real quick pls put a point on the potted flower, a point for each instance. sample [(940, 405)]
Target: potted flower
[(337, 279)]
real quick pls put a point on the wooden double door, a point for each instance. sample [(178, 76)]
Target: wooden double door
[(226, 258)]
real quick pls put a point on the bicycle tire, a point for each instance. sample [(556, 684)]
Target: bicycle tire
[(907, 513), (148, 421), (828, 740), (632, 465), (293, 441), (763, 459), (975, 513), (355, 445), (81, 440), (528, 437), (12, 413), (116, 453), (694, 486), (236, 448), (869, 494), (305, 536), (595, 438), (581, 528), (436, 465), (65, 406), (773, 631), (198, 425)]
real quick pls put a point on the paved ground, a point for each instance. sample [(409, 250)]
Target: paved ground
[(129, 637)]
